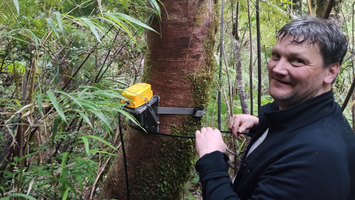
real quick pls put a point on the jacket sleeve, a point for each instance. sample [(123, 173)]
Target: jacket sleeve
[(214, 177)]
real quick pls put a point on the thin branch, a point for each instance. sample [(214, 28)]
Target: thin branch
[(251, 61)]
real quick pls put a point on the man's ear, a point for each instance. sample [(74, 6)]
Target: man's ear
[(331, 73)]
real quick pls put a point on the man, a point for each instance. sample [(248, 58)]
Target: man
[(302, 148)]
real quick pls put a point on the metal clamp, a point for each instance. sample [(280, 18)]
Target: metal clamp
[(148, 114), (196, 112)]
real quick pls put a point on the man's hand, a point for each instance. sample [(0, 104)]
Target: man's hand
[(242, 122), (209, 140)]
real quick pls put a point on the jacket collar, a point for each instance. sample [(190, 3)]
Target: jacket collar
[(299, 115)]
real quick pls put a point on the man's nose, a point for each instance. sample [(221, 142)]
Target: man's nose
[(280, 67)]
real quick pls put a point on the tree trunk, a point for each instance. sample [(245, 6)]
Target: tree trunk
[(180, 68), (239, 77), (321, 6)]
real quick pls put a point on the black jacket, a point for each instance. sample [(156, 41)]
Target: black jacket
[(309, 153)]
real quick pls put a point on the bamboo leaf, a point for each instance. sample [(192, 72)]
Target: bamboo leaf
[(156, 7), (56, 104), (63, 179), (101, 140), (86, 144), (65, 196), (94, 151), (103, 119), (133, 20), (92, 27), (59, 21), (10, 32), (80, 180), (64, 159), (72, 187), (109, 93), (115, 21), (130, 117), (123, 2), (17, 6), (87, 104), (40, 101), (22, 195), (52, 26), (84, 116), (2, 189), (36, 39), (55, 127), (82, 93), (18, 102), (71, 97)]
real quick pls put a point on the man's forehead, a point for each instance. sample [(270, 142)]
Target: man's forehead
[(295, 41)]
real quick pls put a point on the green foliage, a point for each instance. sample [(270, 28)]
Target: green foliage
[(68, 128), (72, 166), (60, 96)]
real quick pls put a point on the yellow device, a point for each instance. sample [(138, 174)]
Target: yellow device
[(144, 106), (138, 94)]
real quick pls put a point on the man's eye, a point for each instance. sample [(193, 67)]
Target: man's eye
[(298, 61), (275, 56)]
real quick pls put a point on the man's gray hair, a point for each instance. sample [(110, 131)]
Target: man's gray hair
[(322, 32)]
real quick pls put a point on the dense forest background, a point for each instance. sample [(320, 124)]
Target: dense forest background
[(65, 63)]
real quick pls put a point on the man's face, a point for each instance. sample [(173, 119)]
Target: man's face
[(296, 73)]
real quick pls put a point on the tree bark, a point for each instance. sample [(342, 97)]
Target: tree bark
[(239, 77), (320, 7), (180, 68)]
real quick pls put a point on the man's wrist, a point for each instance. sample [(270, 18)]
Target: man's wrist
[(210, 162)]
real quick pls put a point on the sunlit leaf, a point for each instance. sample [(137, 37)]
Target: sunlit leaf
[(64, 159), (71, 97), (86, 144), (18, 102), (52, 26), (115, 21), (17, 6), (92, 27), (101, 140), (133, 20), (65, 196), (56, 104), (14, 31), (87, 104), (36, 39), (94, 151), (156, 8), (55, 127), (79, 180), (22, 195), (2, 188), (123, 2), (59, 21), (103, 119), (84, 116), (130, 117)]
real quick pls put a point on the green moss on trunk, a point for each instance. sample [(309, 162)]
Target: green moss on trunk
[(174, 160)]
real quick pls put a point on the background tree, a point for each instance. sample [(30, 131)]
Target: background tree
[(180, 68)]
